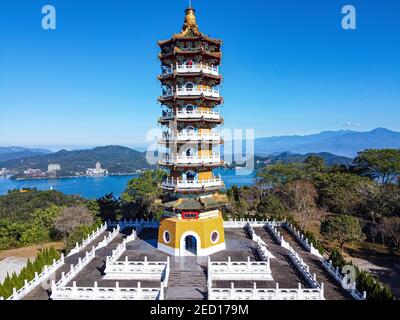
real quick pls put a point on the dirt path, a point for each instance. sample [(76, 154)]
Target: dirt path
[(30, 251), (385, 267)]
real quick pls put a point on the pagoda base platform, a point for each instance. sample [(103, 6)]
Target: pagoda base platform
[(192, 237)]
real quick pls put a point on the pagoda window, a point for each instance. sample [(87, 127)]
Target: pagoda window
[(191, 152), (189, 86), (191, 175), (189, 63), (190, 130), (189, 108)]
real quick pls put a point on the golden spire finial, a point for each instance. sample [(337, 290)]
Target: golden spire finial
[(190, 18)]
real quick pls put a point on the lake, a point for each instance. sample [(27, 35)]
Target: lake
[(96, 187)]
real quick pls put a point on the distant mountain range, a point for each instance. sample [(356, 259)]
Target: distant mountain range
[(287, 157), (343, 143), (115, 159), (11, 153), (336, 147)]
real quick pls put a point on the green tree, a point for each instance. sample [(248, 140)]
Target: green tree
[(281, 173), (340, 192), (108, 207), (76, 236), (383, 164), (342, 228), (143, 192), (270, 207), (42, 227), (314, 164), (337, 258)]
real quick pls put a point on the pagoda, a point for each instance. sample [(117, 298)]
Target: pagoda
[(192, 223)]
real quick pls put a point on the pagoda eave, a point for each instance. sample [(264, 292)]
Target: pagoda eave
[(201, 75), (175, 98), (181, 36), (190, 142), (164, 121), (177, 53), (192, 191), (190, 166)]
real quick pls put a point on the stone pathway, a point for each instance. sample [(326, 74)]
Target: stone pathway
[(187, 280), (333, 291), (282, 269)]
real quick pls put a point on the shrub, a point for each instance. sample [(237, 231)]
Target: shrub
[(270, 207), (45, 257)]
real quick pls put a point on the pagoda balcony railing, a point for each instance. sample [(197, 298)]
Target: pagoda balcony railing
[(214, 159), (193, 136), (212, 115), (197, 91), (194, 68), (216, 182)]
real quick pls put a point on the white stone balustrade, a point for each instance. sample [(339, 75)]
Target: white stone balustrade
[(75, 269), (303, 268), (138, 224), (192, 184), (340, 278), (103, 293), (262, 250), (137, 270), (305, 243), (271, 228), (196, 91), (215, 159), (132, 237), (193, 68), (197, 136), (37, 280), (239, 270), (264, 253), (108, 239), (255, 293), (240, 224), (117, 253), (93, 236), (195, 114)]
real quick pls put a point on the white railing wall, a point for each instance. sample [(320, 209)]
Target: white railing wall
[(137, 270), (37, 280), (340, 278), (297, 261), (93, 236), (262, 250), (138, 224), (108, 239), (75, 269), (255, 293), (303, 268), (102, 293), (239, 270), (241, 223), (271, 228), (305, 243)]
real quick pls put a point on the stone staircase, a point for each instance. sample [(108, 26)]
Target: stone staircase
[(186, 285)]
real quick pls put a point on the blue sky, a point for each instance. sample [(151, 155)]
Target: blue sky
[(289, 67)]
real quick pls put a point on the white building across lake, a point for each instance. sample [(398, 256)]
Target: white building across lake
[(98, 171)]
